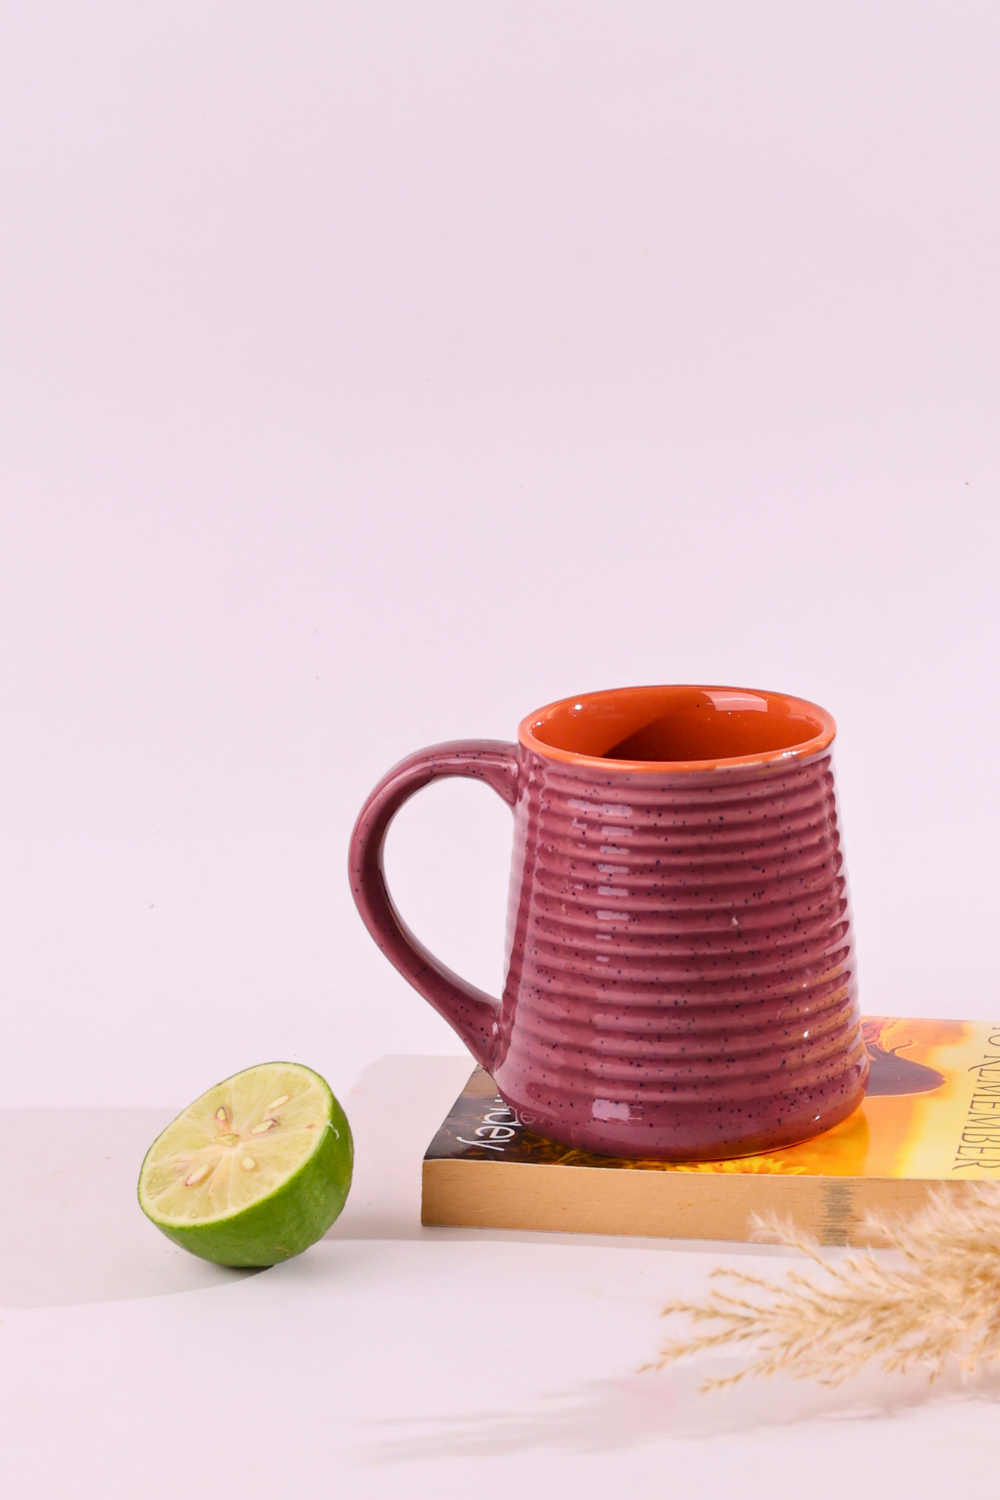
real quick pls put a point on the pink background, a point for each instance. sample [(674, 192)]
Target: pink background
[(375, 374)]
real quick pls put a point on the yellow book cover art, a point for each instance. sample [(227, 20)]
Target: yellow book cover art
[(932, 1112)]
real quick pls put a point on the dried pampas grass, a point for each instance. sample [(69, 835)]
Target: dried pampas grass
[(934, 1300)]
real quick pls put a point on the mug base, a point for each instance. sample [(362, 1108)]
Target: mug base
[(685, 1137)]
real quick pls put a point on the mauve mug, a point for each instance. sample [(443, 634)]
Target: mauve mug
[(680, 975)]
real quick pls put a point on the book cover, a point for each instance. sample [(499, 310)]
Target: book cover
[(931, 1117)]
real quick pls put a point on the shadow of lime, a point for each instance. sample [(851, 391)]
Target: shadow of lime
[(73, 1230)]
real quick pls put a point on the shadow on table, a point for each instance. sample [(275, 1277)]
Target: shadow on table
[(73, 1231), (600, 1416), (72, 1228)]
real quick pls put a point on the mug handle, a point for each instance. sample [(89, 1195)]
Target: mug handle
[(472, 1013)]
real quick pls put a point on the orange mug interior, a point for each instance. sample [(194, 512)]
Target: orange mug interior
[(683, 728)]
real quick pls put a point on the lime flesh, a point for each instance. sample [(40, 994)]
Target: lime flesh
[(254, 1171)]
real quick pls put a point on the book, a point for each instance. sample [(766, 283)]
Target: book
[(931, 1118)]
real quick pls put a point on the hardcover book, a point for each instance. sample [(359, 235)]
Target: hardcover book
[(931, 1118)]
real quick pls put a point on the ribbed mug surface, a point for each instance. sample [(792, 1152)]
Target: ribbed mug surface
[(680, 960)]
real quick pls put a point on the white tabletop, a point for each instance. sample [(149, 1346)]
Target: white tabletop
[(393, 1360)]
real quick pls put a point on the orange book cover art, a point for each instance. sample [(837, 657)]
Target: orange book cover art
[(932, 1111)]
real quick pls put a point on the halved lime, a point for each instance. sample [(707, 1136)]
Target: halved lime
[(254, 1171)]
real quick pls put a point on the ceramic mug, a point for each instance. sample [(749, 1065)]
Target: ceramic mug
[(680, 973)]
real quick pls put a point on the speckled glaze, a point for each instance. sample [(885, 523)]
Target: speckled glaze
[(680, 976)]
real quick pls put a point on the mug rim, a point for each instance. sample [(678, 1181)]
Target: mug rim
[(801, 751)]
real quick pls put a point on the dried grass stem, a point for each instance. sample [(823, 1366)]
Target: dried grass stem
[(934, 1300)]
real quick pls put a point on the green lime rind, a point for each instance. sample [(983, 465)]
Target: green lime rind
[(284, 1222)]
